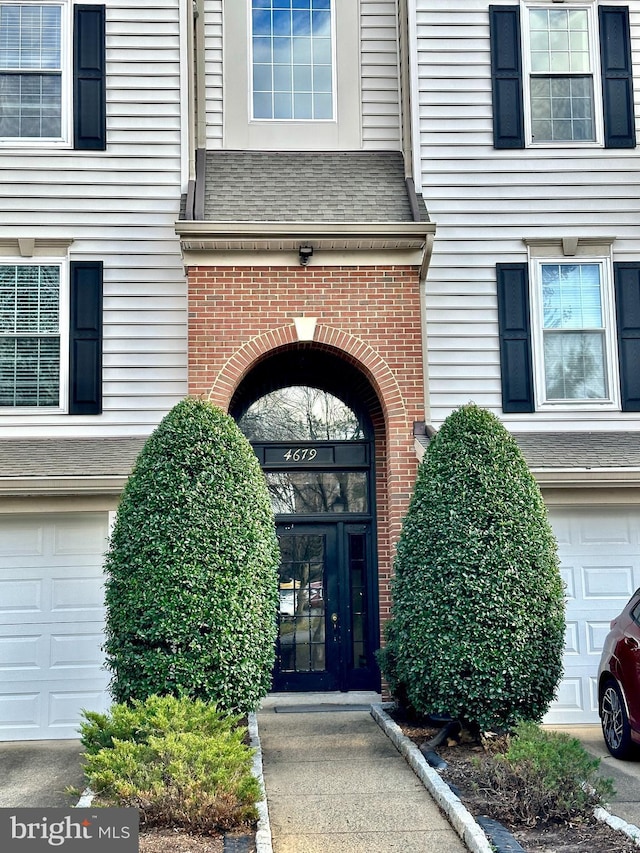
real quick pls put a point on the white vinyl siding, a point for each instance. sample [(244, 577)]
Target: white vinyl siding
[(380, 76), (486, 202), (118, 206)]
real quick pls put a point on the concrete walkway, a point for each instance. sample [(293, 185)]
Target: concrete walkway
[(336, 784)]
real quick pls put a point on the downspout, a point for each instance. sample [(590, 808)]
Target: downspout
[(195, 196), (405, 89)]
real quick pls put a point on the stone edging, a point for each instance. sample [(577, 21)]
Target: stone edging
[(614, 822), (263, 831), (459, 816)]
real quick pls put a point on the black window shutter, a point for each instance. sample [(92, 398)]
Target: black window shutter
[(627, 285), (515, 337), (617, 81), (506, 77), (89, 100), (85, 338)]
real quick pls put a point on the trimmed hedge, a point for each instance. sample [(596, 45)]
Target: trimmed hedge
[(191, 591), (477, 625)]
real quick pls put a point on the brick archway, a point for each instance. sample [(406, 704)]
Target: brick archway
[(356, 351)]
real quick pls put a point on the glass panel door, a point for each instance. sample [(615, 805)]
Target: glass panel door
[(307, 654)]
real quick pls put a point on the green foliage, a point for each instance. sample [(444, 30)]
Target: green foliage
[(157, 715), (477, 627), (181, 763), (542, 776), (191, 591)]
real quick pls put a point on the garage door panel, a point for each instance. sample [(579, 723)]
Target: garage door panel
[(51, 623), (49, 713), (21, 539), (67, 594), (61, 652), (599, 551)]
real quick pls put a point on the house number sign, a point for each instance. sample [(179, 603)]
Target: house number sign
[(301, 454), (286, 456)]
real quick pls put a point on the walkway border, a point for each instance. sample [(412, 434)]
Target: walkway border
[(263, 832), (459, 816)]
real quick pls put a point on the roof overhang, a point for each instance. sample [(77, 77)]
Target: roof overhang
[(61, 486), (413, 238)]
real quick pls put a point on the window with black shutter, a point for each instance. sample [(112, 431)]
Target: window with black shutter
[(45, 98), (561, 76)]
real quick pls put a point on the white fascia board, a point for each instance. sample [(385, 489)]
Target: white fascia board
[(21, 486)]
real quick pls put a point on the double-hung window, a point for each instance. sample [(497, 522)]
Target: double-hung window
[(31, 71), (51, 336), (560, 65), (292, 60), (31, 359), (573, 330), (561, 74), (52, 74)]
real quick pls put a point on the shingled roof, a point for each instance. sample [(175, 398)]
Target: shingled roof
[(28, 459), (68, 457), (308, 186), (571, 451)]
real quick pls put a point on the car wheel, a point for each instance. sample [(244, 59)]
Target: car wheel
[(615, 723)]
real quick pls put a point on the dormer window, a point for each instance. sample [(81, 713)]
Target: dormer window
[(292, 60)]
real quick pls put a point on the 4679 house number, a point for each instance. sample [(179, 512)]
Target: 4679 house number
[(302, 454)]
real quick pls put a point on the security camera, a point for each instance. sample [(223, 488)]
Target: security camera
[(305, 253)]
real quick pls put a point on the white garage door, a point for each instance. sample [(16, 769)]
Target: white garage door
[(599, 550), (51, 623)]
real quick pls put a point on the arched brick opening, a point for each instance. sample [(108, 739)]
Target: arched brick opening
[(366, 317)]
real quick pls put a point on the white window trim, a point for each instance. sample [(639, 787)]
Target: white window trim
[(612, 403), (594, 50), (66, 82), (63, 331), (334, 77)]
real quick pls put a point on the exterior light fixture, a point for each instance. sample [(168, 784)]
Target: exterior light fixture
[(305, 253)]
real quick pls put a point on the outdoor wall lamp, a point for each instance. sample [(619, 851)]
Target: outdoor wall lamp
[(305, 253)]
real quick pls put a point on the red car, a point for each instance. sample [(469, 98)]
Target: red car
[(619, 682)]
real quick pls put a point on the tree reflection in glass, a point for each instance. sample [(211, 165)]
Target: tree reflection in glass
[(300, 413)]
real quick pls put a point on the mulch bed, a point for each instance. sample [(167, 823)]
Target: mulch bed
[(588, 836)]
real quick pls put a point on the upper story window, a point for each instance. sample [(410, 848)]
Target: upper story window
[(52, 74), (561, 74), (30, 335), (292, 60), (31, 71), (573, 332)]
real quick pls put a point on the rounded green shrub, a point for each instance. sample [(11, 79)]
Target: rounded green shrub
[(191, 589), (477, 622)]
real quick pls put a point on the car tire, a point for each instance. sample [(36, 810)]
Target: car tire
[(615, 722)]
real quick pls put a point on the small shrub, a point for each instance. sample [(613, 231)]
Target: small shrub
[(542, 777), (180, 763), (157, 715)]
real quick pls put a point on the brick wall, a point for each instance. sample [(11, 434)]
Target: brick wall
[(369, 316)]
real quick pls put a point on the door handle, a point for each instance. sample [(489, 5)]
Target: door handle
[(631, 642), (334, 622)]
